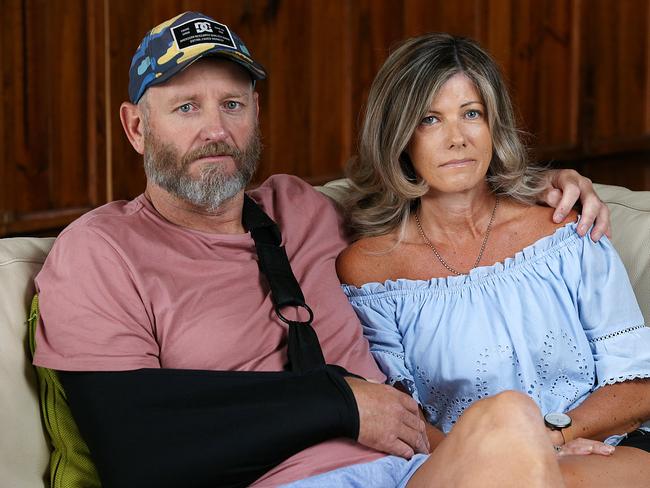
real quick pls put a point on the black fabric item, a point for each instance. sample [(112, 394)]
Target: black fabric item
[(303, 348), (637, 438), (274, 264), (171, 428), (304, 351), (273, 260)]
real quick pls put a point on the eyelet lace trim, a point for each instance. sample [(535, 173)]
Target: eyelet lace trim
[(620, 379), (617, 333)]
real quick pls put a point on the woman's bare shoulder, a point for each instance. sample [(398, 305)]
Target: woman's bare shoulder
[(522, 226), (542, 219), (365, 260)]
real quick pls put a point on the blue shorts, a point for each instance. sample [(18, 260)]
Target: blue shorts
[(387, 472)]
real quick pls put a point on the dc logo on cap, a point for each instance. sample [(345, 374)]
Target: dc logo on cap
[(202, 27)]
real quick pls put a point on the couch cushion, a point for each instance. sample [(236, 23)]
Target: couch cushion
[(631, 237), (23, 443)]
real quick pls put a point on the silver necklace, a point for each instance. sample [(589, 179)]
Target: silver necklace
[(480, 254)]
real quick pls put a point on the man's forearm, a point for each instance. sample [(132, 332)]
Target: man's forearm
[(161, 427)]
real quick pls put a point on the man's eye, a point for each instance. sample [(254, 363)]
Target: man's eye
[(185, 108), (232, 105)]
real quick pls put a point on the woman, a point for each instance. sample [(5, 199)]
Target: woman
[(465, 286)]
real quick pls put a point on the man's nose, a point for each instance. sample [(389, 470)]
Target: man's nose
[(214, 126)]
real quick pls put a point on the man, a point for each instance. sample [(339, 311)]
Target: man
[(145, 303)]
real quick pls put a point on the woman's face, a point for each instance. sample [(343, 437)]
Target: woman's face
[(451, 148)]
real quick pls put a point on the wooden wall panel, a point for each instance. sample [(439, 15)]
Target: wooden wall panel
[(458, 18), (374, 31), (537, 45), (284, 113), (579, 72), (46, 85), (330, 69), (616, 90)]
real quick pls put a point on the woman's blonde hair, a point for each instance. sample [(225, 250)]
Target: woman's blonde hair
[(385, 187)]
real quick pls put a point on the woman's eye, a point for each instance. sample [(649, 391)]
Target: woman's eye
[(185, 108), (473, 114), (429, 120)]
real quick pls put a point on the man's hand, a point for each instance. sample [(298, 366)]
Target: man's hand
[(388, 419), (564, 188)]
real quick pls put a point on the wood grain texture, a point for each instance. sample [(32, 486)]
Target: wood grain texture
[(579, 72), (616, 93), (49, 106)]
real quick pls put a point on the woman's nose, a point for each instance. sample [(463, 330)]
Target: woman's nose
[(456, 136)]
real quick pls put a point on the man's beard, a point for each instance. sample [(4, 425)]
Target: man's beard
[(166, 168)]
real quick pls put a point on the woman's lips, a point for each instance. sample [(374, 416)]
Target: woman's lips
[(457, 163)]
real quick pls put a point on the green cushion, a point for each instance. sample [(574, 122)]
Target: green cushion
[(70, 462)]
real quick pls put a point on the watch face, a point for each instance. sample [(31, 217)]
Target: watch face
[(557, 420)]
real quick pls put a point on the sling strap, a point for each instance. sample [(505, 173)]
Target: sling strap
[(303, 349)]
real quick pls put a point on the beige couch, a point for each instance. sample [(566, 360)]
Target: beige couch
[(24, 451)]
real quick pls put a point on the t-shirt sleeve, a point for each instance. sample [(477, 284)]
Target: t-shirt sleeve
[(377, 315), (93, 317), (611, 317)]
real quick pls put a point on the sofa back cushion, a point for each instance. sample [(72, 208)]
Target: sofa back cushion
[(631, 237), (24, 447)]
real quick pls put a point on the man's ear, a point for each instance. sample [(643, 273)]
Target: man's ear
[(133, 123), (256, 98)]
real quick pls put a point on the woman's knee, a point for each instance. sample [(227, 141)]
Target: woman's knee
[(506, 415), (508, 407)]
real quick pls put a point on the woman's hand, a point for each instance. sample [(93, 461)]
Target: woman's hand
[(583, 447), (564, 188), (578, 446)]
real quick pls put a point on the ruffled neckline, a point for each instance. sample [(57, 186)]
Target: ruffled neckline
[(560, 238)]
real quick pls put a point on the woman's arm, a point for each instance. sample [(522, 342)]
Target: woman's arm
[(611, 409), (620, 345)]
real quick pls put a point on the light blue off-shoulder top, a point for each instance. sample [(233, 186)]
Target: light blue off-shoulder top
[(556, 321)]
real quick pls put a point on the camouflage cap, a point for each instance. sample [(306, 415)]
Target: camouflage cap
[(172, 46)]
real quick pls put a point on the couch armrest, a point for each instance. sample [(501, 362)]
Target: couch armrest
[(23, 443)]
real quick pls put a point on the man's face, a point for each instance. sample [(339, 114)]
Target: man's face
[(201, 137)]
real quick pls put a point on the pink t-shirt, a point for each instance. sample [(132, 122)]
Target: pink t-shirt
[(124, 289)]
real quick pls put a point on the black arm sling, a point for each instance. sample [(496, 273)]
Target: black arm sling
[(196, 428)]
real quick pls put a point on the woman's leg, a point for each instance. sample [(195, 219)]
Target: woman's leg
[(500, 442), (626, 467)]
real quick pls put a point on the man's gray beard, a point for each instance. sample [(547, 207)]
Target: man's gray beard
[(164, 167)]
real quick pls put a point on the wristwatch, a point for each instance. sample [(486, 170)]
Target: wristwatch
[(557, 420)]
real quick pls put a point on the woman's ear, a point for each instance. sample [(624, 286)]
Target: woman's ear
[(133, 122)]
